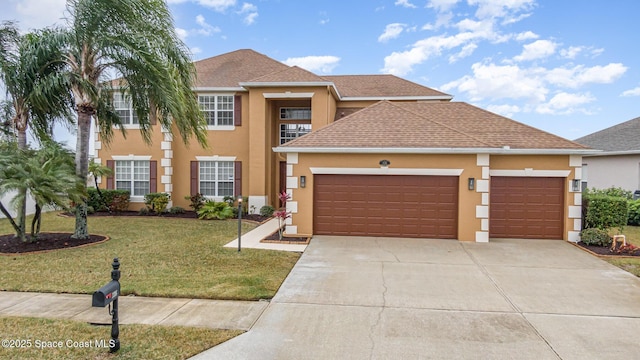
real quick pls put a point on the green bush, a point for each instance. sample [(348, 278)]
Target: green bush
[(176, 210), (612, 191), (267, 210), (634, 212), (604, 212), (594, 236), (196, 200), (215, 210), (157, 202), (144, 211), (114, 200)]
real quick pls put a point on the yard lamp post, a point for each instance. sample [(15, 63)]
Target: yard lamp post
[(239, 221)]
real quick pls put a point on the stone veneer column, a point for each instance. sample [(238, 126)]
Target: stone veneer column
[(482, 210), (292, 183), (575, 210), (165, 163)]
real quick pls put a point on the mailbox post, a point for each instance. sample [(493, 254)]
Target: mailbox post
[(107, 294)]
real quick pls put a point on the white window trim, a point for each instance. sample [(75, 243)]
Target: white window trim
[(132, 198), (385, 171), (131, 157), (220, 127), (216, 158), (130, 103)]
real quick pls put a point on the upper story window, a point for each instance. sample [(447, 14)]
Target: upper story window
[(289, 132), (291, 113), (217, 109), (124, 109), (133, 176)]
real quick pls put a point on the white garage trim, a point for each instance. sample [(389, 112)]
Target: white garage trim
[(384, 171), (530, 173)]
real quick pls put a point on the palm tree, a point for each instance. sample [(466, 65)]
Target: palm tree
[(26, 67), (47, 175), (96, 170), (136, 40)]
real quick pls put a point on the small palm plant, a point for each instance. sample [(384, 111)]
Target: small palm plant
[(282, 215), (212, 210)]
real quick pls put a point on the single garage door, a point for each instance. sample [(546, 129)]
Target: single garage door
[(526, 207), (382, 205)]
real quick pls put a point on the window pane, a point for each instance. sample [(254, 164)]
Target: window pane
[(289, 132), (132, 176), (216, 178), (295, 113), (225, 117)]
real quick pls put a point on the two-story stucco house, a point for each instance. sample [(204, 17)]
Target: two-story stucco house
[(360, 155)]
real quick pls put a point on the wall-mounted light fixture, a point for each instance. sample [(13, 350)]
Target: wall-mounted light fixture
[(385, 163), (303, 181), (576, 185), (472, 183)]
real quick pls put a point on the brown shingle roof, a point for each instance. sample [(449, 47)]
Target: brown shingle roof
[(230, 69), (379, 86), (429, 125), (290, 74)]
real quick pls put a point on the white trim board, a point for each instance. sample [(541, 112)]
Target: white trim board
[(384, 171), (530, 173)]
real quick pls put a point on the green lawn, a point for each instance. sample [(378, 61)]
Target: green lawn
[(632, 265), (136, 341), (159, 257)]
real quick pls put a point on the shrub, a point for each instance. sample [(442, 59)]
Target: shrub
[(267, 210), (229, 200), (612, 191), (594, 236), (197, 201), (144, 211), (114, 200), (604, 212), (176, 210), (215, 210), (157, 202), (634, 212)]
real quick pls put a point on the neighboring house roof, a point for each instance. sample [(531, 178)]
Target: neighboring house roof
[(381, 86), (621, 138), (230, 69), (429, 125)]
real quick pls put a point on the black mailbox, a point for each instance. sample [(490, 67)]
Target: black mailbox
[(106, 294)]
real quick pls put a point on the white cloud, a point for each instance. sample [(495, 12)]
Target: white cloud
[(322, 64), (507, 9), (195, 50), (391, 31), (632, 92), (182, 33), (251, 12), (35, 14), (217, 5), (580, 75), (504, 110), (404, 3), (571, 52), (537, 50), (527, 35), (205, 28), (501, 82), (442, 5), (565, 103), (466, 51)]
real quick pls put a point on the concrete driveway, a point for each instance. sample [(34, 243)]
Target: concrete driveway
[(382, 298)]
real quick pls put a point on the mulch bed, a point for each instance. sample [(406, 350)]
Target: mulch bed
[(9, 244), (186, 215), (604, 250), (275, 239)]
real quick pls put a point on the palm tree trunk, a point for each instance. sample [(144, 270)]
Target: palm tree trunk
[(6, 213), (82, 167), (35, 223), (22, 206)]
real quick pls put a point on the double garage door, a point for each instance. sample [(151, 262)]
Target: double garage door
[(381, 205), (427, 206)]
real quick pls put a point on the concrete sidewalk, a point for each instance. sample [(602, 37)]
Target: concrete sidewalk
[(252, 239), (215, 314)]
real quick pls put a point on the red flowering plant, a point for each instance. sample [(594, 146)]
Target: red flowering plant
[(282, 214)]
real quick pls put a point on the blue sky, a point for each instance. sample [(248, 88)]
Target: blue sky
[(569, 67)]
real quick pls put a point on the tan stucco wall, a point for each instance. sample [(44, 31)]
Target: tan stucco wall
[(469, 223)]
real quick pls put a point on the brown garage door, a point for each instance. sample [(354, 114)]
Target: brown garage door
[(526, 207), (381, 205)]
